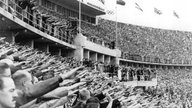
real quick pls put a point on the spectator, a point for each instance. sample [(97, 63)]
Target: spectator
[(7, 93), (4, 69), (173, 88), (30, 91), (11, 65)]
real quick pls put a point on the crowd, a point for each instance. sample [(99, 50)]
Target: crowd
[(100, 41), (56, 24), (46, 20), (96, 34), (136, 74), (170, 46), (34, 79), (45, 81)]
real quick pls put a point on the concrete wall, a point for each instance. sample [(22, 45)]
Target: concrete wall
[(141, 83), (100, 49)]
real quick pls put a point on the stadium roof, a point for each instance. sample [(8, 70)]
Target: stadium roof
[(165, 14), (86, 8)]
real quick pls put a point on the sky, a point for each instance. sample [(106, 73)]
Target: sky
[(131, 15)]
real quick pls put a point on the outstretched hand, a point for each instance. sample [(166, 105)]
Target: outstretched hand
[(71, 72)]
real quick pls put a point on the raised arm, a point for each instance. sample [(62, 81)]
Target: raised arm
[(71, 73)]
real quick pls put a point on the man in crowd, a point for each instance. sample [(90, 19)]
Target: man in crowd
[(11, 65), (7, 92), (29, 91), (4, 69)]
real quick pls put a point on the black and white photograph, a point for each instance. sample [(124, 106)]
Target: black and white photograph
[(95, 54)]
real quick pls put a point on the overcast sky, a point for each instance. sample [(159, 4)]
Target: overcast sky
[(130, 14)]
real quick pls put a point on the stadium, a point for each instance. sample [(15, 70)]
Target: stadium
[(64, 54)]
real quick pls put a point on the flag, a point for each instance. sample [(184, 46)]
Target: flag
[(120, 2), (102, 1), (138, 7), (157, 11), (175, 14)]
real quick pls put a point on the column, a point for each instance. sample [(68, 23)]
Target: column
[(32, 44), (47, 48), (59, 53)]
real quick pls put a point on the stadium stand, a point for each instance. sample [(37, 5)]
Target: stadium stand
[(173, 88), (65, 82)]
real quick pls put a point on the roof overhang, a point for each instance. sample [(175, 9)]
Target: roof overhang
[(86, 7)]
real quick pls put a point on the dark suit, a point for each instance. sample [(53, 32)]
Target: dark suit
[(37, 90)]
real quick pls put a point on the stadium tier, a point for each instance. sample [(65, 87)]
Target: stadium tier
[(52, 27), (172, 86)]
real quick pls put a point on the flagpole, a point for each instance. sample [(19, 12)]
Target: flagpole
[(120, 2), (116, 36), (79, 17)]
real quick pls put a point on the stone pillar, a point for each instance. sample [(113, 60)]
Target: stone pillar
[(59, 53), (32, 44), (47, 48)]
